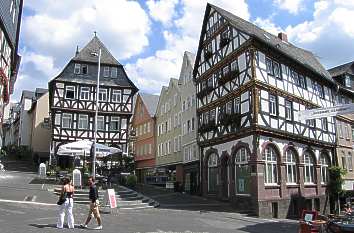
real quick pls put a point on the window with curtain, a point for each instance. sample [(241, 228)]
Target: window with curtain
[(309, 170), (212, 173), (291, 170), (242, 172), (271, 166), (324, 168)]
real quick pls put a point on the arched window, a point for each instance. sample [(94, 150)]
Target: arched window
[(242, 173), (291, 170), (324, 168), (271, 166), (212, 173), (309, 168)]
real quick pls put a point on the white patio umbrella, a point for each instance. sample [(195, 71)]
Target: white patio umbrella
[(83, 148)]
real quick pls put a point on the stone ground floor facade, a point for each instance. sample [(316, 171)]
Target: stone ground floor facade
[(268, 176)]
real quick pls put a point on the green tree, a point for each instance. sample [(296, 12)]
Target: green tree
[(335, 183)]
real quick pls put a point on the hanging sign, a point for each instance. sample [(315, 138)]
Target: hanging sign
[(326, 112)]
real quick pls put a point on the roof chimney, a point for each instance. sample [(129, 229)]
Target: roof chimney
[(283, 36)]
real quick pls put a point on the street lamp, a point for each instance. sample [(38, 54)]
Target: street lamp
[(96, 112)]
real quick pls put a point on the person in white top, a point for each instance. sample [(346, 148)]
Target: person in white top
[(67, 207)]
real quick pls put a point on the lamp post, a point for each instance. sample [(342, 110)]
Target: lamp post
[(96, 112)]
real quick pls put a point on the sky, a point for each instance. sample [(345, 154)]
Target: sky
[(150, 37)]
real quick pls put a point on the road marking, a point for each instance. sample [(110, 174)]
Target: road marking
[(28, 202)]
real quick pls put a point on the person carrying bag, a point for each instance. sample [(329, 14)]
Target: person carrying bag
[(66, 204)]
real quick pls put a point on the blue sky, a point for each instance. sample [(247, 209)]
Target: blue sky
[(149, 37)]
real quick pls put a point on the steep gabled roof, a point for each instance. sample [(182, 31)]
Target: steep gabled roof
[(150, 102), (301, 56), (86, 54), (191, 57), (342, 69)]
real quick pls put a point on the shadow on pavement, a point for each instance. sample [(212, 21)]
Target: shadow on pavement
[(19, 165), (274, 227), (43, 225), (182, 201)]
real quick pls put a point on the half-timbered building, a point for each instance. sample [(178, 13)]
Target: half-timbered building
[(344, 76), (143, 124), (255, 152), (72, 98), (10, 20)]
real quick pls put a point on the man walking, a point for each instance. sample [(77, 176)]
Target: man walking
[(93, 196)]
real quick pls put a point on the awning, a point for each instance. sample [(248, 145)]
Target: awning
[(83, 147)]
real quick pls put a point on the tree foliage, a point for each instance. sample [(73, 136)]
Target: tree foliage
[(335, 181)]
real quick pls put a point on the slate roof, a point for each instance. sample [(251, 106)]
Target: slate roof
[(342, 69), (85, 56), (28, 94), (304, 57), (150, 102), (93, 46)]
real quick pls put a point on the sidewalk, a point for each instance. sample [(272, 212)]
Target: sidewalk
[(182, 201)]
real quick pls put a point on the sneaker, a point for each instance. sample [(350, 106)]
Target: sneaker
[(83, 225), (99, 227)]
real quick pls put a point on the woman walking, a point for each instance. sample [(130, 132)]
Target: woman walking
[(67, 193)]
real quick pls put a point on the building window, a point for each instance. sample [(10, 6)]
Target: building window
[(269, 66), (242, 173), (271, 168), (347, 132), (340, 130), (84, 93), (83, 122), (193, 124), (212, 173), (84, 69), (348, 81), (349, 162), (288, 110), (325, 124), (311, 123), (175, 144), (102, 95), (106, 71), (302, 81), (309, 169), (114, 71), (324, 168), (77, 68), (237, 105), (114, 124), (70, 92), (116, 96), (272, 105), (100, 123), (57, 119), (290, 167), (67, 120)]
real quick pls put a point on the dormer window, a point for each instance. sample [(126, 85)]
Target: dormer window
[(106, 71), (114, 72), (348, 80), (77, 68), (84, 69)]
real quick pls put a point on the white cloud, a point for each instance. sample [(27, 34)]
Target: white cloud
[(184, 36), (54, 28), (293, 6), (162, 10), (330, 34), (268, 25)]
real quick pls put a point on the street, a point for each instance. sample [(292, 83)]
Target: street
[(27, 206)]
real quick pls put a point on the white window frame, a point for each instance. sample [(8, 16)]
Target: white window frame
[(57, 119), (309, 169), (83, 92), (114, 119), (81, 121), (291, 167), (270, 164), (70, 88), (100, 119), (114, 72), (324, 164), (77, 68), (288, 110), (273, 105), (116, 96), (106, 71), (102, 93), (67, 116)]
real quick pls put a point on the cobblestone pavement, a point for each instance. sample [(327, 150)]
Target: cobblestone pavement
[(28, 207)]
